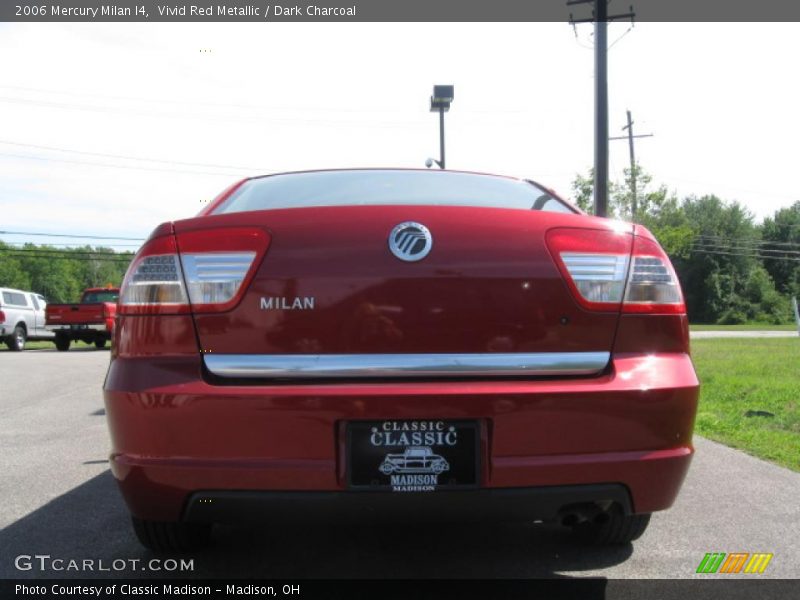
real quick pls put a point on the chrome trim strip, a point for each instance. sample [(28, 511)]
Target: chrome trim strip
[(68, 327), (320, 366)]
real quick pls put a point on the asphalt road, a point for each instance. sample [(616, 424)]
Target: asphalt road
[(57, 498)]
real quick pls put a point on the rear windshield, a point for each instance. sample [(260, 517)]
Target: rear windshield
[(377, 187), (104, 296)]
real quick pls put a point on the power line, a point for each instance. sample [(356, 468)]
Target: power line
[(745, 255), (18, 254), (197, 116), (68, 245), (744, 241), (127, 167), (627, 31), (127, 157), (745, 248), (259, 107), (73, 252), (68, 235)]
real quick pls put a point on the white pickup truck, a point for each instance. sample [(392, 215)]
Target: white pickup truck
[(22, 318)]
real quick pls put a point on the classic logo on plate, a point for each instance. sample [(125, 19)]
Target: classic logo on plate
[(412, 463)]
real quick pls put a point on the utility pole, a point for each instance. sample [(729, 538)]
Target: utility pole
[(630, 137), (600, 108), (600, 18)]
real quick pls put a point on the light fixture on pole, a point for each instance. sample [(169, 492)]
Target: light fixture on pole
[(440, 102)]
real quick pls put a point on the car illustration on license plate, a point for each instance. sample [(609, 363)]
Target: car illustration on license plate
[(414, 460)]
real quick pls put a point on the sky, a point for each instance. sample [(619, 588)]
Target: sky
[(111, 129)]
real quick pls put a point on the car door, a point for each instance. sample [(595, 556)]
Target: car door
[(38, 315)]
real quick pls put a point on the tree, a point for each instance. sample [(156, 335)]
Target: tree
[(657, 209), (712, 275), (11, 272), (583, 191), (781, 241), (60, 274)]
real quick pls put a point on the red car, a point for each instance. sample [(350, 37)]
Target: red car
[(271, 352)]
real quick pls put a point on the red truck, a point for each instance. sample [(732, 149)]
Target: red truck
[(91, 321)]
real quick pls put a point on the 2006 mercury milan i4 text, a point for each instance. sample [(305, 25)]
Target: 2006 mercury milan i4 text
[(272, 353)]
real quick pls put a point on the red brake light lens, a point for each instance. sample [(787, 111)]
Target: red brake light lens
[(2, 317)]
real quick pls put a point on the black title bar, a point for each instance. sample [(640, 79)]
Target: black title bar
[(566, 588), (389, 10)]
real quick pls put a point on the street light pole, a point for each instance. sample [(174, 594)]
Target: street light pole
[(441, 137), (440, 102)]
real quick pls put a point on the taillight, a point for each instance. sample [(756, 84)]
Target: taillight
[(606, 271), (202, 271), (218, 264), (154, 281), (653, 286), (2, 317), (594, 263)]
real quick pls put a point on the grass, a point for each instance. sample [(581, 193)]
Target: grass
[(751, 374), (745, 327), (45, 345)]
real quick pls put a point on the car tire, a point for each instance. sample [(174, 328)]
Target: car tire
[(17, 340), (618, 529), (161, 536), (62, 342), (100, 344)]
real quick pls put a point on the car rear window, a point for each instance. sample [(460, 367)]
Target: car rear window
[(388, 187), (14, 299), (93, 297)]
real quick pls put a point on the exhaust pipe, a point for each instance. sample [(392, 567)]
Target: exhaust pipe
[(601, 518), (570, 520), (591, 513)]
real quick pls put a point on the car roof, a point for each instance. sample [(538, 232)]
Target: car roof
[(388, 169)]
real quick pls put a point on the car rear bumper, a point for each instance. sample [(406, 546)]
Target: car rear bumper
[(77, 328), (515, 504), (178, 438)]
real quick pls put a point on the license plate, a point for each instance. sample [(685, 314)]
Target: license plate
[(78, 326), (423, 455)]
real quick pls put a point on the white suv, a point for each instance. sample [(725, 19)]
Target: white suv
[(22, 318)]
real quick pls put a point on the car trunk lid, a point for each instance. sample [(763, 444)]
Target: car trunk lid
[(329, 284)]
